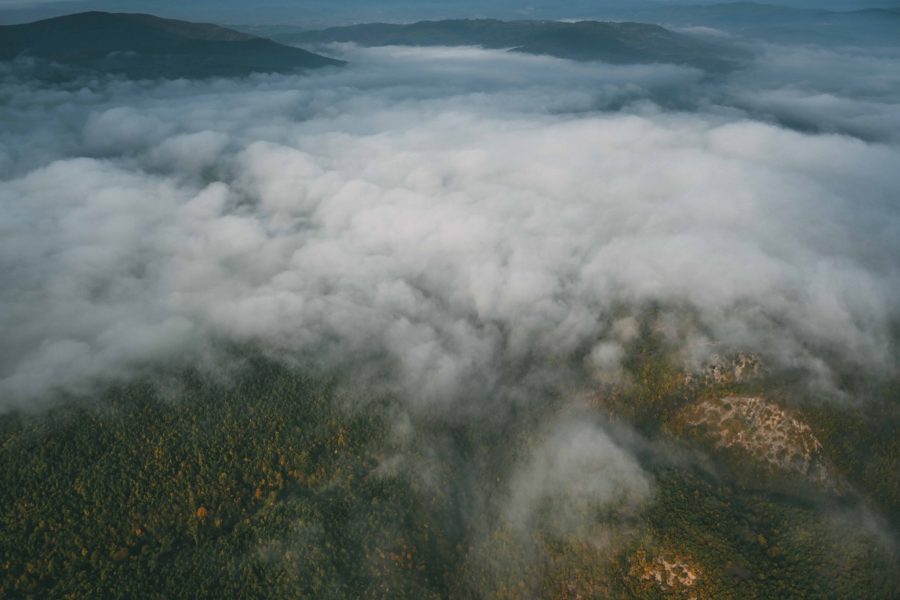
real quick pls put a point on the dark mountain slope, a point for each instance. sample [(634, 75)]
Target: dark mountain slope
[(584, 40), (141, 46)]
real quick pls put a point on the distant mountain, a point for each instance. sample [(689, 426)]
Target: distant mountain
[(873, 26), (582, 40), (752, 14), (144, 46)]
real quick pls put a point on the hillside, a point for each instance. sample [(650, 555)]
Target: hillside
[(623, 43), (268, 486), (875, 26), (144, 46)]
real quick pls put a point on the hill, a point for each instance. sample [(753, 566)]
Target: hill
[(144, 46), (867, 27), (268, 485), (623, 43)]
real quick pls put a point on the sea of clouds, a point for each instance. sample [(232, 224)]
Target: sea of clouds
[(454, 209), (492, 225)]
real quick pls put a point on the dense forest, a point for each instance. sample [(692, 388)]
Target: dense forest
[(271, 484)]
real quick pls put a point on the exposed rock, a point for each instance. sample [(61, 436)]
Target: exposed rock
[(770, 434), (673, 574)]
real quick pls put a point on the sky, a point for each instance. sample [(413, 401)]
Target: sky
[(316, 13)]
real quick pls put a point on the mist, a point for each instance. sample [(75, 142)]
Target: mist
[(457, 209), (483, 235)]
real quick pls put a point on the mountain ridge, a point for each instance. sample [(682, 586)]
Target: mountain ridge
[(586, 40), (139, 45)]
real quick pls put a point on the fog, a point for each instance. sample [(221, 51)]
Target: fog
[(492, 227), (456, 209)]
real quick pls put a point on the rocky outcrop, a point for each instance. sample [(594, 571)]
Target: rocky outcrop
[(670, 573), (776, 438)]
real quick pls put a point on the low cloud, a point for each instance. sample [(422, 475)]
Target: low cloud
[(456, 209), (577, 475), (846, 90), (490, 226)]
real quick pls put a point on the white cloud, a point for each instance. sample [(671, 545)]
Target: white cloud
[(453, 209), (575, 473)]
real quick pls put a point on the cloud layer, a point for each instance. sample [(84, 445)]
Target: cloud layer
[(454, 209), (488, 228)]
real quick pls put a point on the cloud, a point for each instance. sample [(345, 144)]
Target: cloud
[(577, 473), (456, 209), (480, 233), (846, 90)]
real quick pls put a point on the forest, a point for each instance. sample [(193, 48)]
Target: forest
[(269, 483)]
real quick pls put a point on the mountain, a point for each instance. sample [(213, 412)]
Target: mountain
[(868, 27), (145, 46), (583, 40), (267, 484)]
